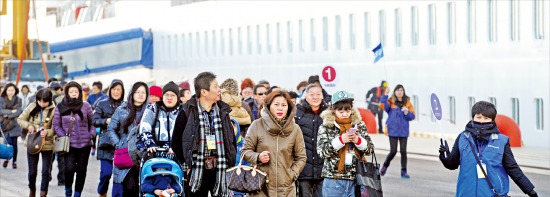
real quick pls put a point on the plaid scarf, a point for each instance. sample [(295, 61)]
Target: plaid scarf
[(220, 188)]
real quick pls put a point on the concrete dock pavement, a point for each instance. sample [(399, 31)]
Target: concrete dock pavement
[(530, 159)]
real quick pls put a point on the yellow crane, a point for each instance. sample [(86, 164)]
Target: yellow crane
[(17, 47)]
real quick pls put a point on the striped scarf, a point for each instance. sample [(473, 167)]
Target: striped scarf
[(220, 188)]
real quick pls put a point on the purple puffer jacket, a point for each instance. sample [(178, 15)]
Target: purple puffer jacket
[(83, 130)]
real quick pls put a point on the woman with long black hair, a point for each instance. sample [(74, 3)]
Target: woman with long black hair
[(126, 118), (10, 109), (37, 117)]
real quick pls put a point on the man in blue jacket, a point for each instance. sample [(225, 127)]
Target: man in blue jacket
[(482, 144)]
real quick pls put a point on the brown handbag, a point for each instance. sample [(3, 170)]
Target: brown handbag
[(35, 142), (245, 179)]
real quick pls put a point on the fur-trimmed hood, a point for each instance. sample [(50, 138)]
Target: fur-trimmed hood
[(329, 118)]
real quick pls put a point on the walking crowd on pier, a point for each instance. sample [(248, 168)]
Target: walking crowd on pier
[(181, 140)]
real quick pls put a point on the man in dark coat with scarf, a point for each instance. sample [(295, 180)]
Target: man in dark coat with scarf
[(203, 132)]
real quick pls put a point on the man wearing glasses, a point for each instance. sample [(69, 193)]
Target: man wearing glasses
[(260, 91)]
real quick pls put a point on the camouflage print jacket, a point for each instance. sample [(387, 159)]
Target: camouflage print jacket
[(327, 139)]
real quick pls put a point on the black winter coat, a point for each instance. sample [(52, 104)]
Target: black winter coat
[(309, 124), (104, 110), (186, 133)]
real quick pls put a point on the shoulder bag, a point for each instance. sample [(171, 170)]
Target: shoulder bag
[(245, 179), (63, 143), (368, 177), (34, 141), (6, 150)]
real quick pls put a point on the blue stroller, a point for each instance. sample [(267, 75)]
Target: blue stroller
[(163, 167)]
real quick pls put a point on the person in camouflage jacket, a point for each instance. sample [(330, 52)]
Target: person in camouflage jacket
[(341, 148)]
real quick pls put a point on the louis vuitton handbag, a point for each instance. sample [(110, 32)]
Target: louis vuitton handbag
[(63, 143), (246, 179)]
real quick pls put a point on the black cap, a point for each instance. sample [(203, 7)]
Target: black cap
[(171, 86)]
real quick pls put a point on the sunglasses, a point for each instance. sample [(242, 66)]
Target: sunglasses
[(261, 94)]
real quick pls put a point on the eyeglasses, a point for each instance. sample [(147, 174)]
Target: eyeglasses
[(261, 94), (142, 93)]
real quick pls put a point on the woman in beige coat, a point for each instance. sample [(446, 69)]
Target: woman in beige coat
[(276, 144), (38, 117)]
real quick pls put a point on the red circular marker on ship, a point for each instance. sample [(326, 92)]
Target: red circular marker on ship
[(329, 73)]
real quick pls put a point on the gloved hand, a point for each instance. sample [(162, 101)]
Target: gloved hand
[(532, 193), (444, 148)]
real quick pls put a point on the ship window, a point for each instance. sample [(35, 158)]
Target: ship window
[(325, 33), (514, 20), (398, 27), (367, 32), (313, 40), (539, 116), (289, 32), (539, 19), (471, 21), (492, 20), (451, 22), (452, 110), (337, 32), (382, 18), (414, 26), (515, 110), (432, 24)]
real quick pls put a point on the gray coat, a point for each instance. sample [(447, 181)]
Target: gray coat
[(12, 128), (119, 139)]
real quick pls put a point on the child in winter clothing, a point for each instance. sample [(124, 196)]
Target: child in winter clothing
[(482, 139), (160, 185), (340, 146)]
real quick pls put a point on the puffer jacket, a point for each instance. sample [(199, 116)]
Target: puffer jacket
[(330, 130), (309, 123), (12, 128), (83, 129), (237, 111), (24, 120), (119, 138), (287, 152), (102, 111), (398, 122)]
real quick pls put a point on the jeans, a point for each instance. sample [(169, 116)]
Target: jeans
[(393, 151), (338, 188), (310, 188), (129, 186), (105, 173), (76, 161), (12, 141), (32, 160)]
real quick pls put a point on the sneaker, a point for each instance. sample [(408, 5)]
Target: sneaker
[(14, 165), (404, 174), (5, 164), (383, 170)]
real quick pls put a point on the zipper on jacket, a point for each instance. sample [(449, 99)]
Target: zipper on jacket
[(277, 168)]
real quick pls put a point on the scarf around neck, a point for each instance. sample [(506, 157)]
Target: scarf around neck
[(70, 105), (210, 124), (345, 125)]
